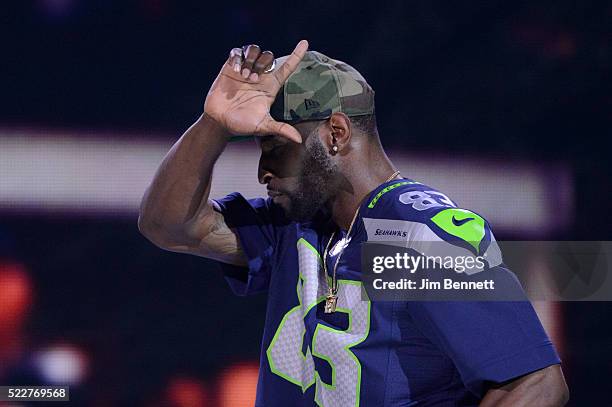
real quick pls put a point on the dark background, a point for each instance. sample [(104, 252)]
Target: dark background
[(520, 79)]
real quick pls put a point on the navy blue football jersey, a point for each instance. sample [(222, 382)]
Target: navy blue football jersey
[(375, 353)]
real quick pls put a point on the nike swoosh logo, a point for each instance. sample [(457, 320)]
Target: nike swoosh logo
[(459, 222)]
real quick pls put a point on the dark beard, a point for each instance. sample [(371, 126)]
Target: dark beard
[(315, 184)]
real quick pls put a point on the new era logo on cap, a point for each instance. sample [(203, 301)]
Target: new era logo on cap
[(311, 104)]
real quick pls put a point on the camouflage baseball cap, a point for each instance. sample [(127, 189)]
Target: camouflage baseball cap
[(319, 87)]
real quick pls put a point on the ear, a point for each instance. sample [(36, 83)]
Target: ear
[(339, 136)]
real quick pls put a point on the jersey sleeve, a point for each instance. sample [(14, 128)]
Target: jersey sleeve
[(256, 222), (488, 341)]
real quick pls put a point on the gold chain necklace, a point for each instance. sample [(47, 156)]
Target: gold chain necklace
[(332, 293)]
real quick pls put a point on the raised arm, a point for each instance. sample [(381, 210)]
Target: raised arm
[(176, 213)]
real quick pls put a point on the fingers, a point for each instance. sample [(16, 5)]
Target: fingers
[(264, 61), (289, 66), (250, 62), (235, 59), (271, 126), (251, 53)]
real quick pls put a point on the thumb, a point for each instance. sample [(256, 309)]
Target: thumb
[(271, 126)]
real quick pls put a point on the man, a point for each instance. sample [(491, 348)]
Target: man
[(329, 184)]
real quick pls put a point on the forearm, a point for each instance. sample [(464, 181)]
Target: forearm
[(543, 388), (182, 182)]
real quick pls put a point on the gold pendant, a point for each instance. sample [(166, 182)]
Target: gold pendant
[(330, 302)]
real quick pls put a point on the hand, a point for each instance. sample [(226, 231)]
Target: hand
[(240, 98)]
